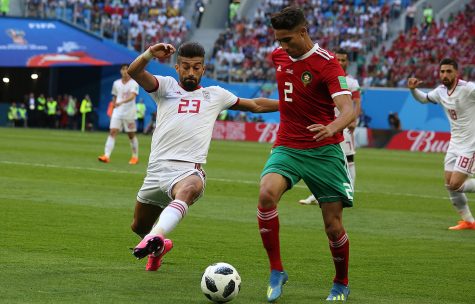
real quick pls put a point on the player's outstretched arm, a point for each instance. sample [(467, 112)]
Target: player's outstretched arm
[(257, 105), (137, 70), (412, 84), (347, 115)]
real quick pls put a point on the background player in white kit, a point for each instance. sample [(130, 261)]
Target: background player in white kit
[(458, 99), (124, 92), (186, 114), (348, 144)]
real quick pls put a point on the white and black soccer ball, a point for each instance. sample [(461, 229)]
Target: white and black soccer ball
[(220, 282)]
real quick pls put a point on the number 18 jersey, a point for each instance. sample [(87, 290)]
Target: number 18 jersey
[(459, 107)]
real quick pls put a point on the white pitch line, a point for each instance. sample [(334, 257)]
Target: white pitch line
[(64, 167), (224, 180)]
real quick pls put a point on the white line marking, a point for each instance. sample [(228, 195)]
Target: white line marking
[(224, 180)]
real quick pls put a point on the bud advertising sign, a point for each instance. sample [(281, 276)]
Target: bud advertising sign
[(249, 131), (423, 141)]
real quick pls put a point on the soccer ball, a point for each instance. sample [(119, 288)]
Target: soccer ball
[(220, 282)]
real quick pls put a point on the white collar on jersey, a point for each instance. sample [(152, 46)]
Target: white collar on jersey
[(450, 92), (306, 55)]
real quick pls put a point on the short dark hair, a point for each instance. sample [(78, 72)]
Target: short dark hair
[(288, 19), (191, 49), (342, 52), (449, 61)]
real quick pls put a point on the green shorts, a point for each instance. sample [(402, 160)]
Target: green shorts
[(323, 169)]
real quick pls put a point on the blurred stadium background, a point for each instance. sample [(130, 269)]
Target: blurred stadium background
[(65, 49)]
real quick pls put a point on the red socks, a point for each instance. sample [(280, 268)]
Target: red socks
[(268, 220), (340, 250)]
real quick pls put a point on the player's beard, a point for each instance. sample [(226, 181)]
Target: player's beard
[(447, 82), (190, 84)]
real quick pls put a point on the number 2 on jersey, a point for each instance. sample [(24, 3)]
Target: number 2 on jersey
[(288, 89), (189, 106)]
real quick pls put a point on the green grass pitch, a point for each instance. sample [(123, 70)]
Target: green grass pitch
[(65, 228)]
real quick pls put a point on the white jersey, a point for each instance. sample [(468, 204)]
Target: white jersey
[(122, 91), (185, 120), (354, 88), (460, 109), (348, 143)]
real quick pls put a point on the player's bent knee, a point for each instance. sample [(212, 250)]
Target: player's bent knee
[(191, 192), (334, 231), (267, 198), (113, 133), (457, 187)]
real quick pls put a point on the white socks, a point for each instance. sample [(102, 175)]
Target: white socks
[(110, 143), (459, 201), (170, 218), (469, 185), (352, 169), (134, 144)]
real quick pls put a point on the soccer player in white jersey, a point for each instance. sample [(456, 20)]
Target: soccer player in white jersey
[(124, 92), (186, 114), (458, 99), (348, 144)]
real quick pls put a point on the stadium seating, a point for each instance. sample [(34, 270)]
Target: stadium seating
[(241, 53), (419, 51), (134, 23)]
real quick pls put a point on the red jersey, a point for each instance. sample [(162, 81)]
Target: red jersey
[(306, 87)]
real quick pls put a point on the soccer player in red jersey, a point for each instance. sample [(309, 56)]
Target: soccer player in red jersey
[(311, 83)]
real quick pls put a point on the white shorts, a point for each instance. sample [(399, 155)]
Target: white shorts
[(127, 125), (348, 143), (460, 162), (162, 176)]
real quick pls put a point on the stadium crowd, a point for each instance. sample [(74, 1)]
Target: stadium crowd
[(418, 52), (133, 23), (241, 53)]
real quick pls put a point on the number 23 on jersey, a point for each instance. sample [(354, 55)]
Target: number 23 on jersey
[(189, 106)]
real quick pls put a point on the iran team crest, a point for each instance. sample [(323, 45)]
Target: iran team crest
[(306, 78)]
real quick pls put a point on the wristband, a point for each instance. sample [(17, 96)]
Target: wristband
[(147, 55)]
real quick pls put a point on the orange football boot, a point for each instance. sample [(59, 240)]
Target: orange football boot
[(134, 161), (463, 225), (103, 158)]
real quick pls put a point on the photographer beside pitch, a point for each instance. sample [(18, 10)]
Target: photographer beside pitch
[(457, 97), (186, 114)]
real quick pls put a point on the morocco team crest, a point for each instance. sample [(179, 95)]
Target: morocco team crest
[(306, 78)]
